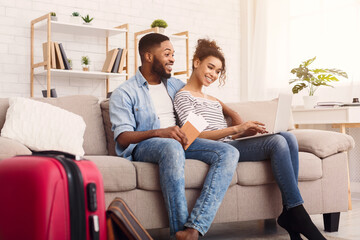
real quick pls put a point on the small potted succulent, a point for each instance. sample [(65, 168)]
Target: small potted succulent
[(87, 19), (53, 16), (85, 61), (161, 24), (75, 18), (70, 63)]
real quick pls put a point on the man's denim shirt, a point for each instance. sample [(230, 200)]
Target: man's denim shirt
[(131, 108)]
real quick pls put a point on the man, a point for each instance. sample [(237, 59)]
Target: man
[(144, 125)]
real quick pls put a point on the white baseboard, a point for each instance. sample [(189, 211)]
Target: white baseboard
[(355, 187)]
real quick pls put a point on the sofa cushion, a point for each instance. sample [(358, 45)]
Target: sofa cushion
[(88, 108), (262, 111), (41, 126), (107, 125), (254, 173), (10, 147), (118, 173), (260, 173), (195, 173), (4, 105), (323, 143)]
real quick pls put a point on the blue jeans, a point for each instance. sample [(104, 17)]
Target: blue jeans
[(283, 151), (170, 156)]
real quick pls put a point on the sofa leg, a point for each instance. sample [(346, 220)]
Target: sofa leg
[(331, 221)]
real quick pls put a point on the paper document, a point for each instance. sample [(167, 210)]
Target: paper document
[(193, 126)]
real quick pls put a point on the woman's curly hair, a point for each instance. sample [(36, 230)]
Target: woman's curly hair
[(206, 48)]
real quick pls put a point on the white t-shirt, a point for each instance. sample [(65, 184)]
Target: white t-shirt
[(163, 105)]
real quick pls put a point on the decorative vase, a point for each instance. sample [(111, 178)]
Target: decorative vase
[(310, 101)]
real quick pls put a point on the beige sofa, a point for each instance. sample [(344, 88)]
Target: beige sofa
[(252, 194)]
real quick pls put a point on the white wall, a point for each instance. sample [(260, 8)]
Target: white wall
[(216, 19)]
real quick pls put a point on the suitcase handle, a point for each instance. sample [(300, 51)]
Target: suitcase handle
[(56, 153)]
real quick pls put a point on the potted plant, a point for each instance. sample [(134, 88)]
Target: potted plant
[(75, 17), (161, 24), (87, 19), (53, 16), (70, 63), (85, 61), (312, 79)]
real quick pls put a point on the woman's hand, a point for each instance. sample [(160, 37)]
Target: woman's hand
[(249, 128)]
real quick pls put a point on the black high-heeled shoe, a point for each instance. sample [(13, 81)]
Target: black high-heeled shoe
[(297, 220), (283, 221)]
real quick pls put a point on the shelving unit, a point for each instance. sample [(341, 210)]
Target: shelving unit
[(79, 74), (181, 35), (44, 23)]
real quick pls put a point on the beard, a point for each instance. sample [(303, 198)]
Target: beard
[(159, 69)]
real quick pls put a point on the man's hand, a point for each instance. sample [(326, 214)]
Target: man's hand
[(249, 128), (131, 137), (173, 132)]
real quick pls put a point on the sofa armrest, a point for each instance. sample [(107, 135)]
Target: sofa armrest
[(10, 148), (323, 143)]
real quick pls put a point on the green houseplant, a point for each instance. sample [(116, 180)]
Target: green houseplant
[(312, 79), (161, 24), (87, 19), (70, 63), (75, 18), (53, 16), (85, 61)]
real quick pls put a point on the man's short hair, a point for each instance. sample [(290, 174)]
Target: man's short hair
[(149, 41)]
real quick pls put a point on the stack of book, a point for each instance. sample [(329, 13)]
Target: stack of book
[(328, 104), (336, 104), (115, 60), (58, 59)]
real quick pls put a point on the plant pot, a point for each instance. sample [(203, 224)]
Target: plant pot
[(87, 23), (161, 30), (310, 101), (75, 20), (54, 18), (86, 69)]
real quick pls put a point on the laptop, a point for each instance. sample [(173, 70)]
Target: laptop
[(282, 117)]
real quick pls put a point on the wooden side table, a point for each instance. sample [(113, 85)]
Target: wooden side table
[(338, 117)]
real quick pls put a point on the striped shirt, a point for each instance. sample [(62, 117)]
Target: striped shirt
[(210, 110)]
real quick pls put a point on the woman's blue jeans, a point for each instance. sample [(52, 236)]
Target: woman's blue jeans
[(168, 153), (283, 151)]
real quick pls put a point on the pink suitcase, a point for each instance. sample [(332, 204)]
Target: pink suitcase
[(51, 196)]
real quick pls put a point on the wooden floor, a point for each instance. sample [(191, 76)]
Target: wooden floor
[(349, 227)]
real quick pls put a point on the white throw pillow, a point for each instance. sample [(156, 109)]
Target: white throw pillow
[(42, 126)]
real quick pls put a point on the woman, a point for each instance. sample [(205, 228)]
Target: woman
[(282, 148)]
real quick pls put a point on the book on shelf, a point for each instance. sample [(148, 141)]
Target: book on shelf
[(117, 61), (193, 126), (59, 59), (122, 60), (52, 54), (110, 59), (64, 57)]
